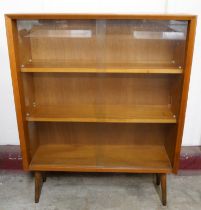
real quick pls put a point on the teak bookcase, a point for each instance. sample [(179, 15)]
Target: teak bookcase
[(100, 93)]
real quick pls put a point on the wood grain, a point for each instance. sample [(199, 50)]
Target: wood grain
[(95, 90), (18, 89), (94, 145), (102, 113), (64, 67), (185, 87), (103, 16), (62, 89), (111, 45), (38, 185), (164, 189), (101, 133), (105, 158)]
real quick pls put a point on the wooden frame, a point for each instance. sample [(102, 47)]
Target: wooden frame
[(177, 80)]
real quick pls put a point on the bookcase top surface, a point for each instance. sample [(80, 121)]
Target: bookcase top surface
[(102, 16)]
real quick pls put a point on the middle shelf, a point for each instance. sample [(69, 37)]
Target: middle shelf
[(90, 67), (102, 113), (101, 97)]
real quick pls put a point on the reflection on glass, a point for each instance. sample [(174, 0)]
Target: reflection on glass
[(106, 44)]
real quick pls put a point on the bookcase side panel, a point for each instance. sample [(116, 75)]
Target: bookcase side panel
[(185, 87), (17, 89)]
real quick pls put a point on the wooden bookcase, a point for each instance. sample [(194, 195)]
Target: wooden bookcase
[(100, 93)]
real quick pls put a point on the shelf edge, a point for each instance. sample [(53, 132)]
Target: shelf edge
[(94, 70), (45, 119)]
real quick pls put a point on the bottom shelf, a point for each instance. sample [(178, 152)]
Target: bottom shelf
[(101, 158)]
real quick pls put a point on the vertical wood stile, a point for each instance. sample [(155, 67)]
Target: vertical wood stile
[(184, 97), (17, 89)]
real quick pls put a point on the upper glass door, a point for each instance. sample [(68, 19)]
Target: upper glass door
[(146, 46), (58, 43)]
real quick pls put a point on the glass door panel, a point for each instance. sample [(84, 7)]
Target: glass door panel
[(57, 43), (145, 44), (98, 45)]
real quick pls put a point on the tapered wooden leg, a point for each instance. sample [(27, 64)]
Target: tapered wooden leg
[(163, 189), (158, 179), (38, 185), (44, 176)]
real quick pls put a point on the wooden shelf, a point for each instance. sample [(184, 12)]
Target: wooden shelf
[(55, 66), (102, 113), (104, 158)]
